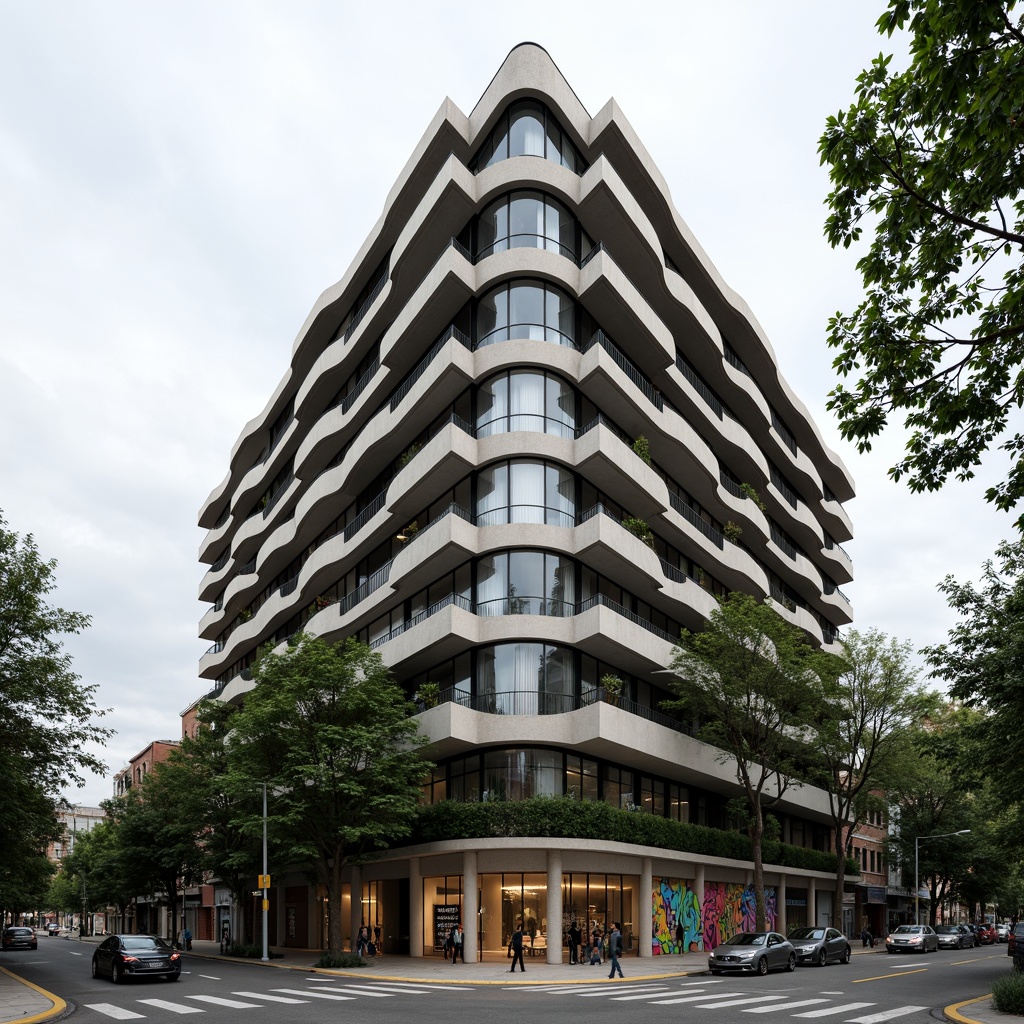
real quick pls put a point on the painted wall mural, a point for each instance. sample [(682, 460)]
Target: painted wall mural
[(683, 923)]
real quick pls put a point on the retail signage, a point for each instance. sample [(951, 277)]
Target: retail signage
[(446, 917)]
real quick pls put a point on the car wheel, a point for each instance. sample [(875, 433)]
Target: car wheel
[(95, 968), (172, 977), (822, 958), (762, 965), (115, 973), (791, 962), (847, 955)]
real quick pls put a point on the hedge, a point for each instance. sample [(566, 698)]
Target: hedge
[(567, 817)]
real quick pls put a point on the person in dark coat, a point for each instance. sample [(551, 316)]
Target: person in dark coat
[(455, 940), (615, 948), (516, 945), (575, 938)]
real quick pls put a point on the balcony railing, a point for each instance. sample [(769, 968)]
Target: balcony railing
[(651, 393), (782, 487), (691, 517), (368, 513), (784, 432), (451, 331), (701, 388), (364, 308)]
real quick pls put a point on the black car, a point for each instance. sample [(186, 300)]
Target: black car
[(129, 956), (18, 938)]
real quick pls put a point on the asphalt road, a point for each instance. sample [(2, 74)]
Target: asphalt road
[(871, 990)]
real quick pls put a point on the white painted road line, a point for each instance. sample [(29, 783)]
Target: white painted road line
[(877, 1018), (231, 1004), (784, 1006), (268, 997), (830, 1011), (117, 1012), (693, 999), (643, 995), (163, 1004), (737, 1002), (312, 994), (363, 990)]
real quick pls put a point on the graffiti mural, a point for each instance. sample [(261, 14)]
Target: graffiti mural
[(675, 918), (729, 909)]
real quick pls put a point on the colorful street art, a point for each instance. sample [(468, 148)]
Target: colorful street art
[(675, 904), (729, 909)]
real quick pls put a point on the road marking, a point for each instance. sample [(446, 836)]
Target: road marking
[(363, 990), (270, 998), (876, 1018), (693, 999), (117, 1012), (557, 989), (232, 1004), (625, 999), (393, 989), (652, 988), (310, 993), (210, 977), (163, 1004), (831, 1010), (784, 1006), (884, 977), (738, 1002)]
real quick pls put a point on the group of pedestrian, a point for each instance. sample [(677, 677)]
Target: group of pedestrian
[(367, 946), (612, 946)]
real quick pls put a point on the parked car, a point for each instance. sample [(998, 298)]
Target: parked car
[(53, 928), (820, 945), (753, 951), (17, 937), (126, 956), (954, 936), (1015, 945), (973, 929), (987, 935), (1002, 932), (912, 938)]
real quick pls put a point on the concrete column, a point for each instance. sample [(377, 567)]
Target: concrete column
[(554, 907), (470, 907), (780, 902), (698, 888), (415, 908), (812, 904), (646, 908), (356, 907)]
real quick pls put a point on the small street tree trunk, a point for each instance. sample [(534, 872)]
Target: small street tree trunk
[(757, 834)]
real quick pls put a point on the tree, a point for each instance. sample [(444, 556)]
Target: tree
[(755, 683), (332, 736), (860, 735), (929, 159), (46, 716), (982, 661)]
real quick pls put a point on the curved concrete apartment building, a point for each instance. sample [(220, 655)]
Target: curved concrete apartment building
[(528, 436)]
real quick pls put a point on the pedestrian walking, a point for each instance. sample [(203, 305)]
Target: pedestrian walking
[(615, 948), (595, 946), (515, 945), (187, 935), (457, 944)]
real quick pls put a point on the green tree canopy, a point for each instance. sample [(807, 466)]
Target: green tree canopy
[(928, 161), (860, 735), (46, 716), (332, 736), (755, 684)]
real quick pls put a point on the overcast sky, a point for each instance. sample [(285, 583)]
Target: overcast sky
[(180, 180)]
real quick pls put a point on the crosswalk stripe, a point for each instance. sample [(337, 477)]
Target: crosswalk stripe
[(830, 1011), (269, 998), (117, 1012), (311, 994), (876, 1018), (362, 991), (164, 1004), (693, 999), (231, 1004), (626, 999), (389, 990), (556, 989), (718, 1004), (784, 1006), (652, 988)]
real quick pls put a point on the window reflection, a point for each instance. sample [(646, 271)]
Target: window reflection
[(529, 400), (528, 128), (521, 491), (528, 220), (529, 310)]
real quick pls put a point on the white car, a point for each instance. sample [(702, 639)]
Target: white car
[(912, 938)]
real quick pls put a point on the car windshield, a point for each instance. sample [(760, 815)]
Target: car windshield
[(947, 929), (142, 942), (747, 939), (908, 929), (808, 933)]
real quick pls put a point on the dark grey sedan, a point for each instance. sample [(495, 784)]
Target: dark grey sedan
[(754, 952), (130, 956), (954, 936), (820, 946)]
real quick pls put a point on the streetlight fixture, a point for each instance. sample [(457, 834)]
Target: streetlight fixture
[(917, 887), (265, 880)]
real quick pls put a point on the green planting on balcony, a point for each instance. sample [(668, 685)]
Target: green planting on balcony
[(639, 529), (568, 817)]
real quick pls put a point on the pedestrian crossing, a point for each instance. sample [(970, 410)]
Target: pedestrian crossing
[(135, 1009), (706, 995)]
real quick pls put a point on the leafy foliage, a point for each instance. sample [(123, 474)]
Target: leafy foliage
[(756, 684), (1008, 993), (46, 719), (929, 160), (586, 819)]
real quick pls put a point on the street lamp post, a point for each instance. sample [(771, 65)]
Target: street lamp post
[(266, 893), (917, 887)]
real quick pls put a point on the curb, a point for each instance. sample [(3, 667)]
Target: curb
[(58, 1005), (953, 1012)]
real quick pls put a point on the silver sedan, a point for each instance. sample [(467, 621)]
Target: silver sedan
[(912, 938), (820, 945), (754, 952)]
